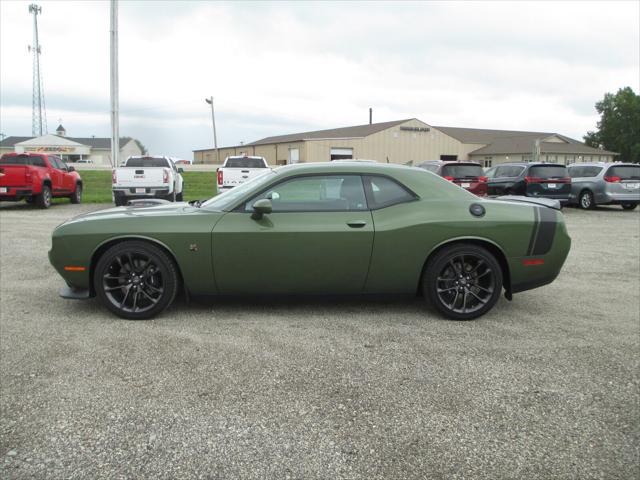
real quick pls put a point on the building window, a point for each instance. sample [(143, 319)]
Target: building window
[(487, 161), (448, 157), (341, 154), (294, 155), (527, 158)]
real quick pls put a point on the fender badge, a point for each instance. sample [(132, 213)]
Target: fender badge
[(193, 247)]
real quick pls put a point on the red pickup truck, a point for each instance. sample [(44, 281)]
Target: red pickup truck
[(37, 178)]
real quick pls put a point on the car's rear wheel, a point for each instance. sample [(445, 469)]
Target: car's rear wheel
[(629, 206), (76, 197), (179, 197), (585, 201), (136, 280), (463, 281), (44, 199)]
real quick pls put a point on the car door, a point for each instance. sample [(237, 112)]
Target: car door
[(317, 240), (56, 173), (68, 179)]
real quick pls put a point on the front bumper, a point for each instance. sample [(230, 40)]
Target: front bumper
[(74, 293)]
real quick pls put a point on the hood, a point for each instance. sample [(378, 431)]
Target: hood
[(168, 209)]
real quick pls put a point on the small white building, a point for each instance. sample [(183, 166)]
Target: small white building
[(70, 149)]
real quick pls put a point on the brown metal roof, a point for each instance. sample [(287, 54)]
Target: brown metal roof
[(358, 131)]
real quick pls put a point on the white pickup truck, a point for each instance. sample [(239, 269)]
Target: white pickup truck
[(238, 169), (147, 177)]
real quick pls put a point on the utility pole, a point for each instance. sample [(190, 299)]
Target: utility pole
[(38, 110), (215, 137), (115, 114)]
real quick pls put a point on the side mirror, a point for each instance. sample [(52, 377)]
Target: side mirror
[(180, 170), (71, 169), (260, 208)]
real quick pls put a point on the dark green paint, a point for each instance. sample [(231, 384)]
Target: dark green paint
[(315, 252)]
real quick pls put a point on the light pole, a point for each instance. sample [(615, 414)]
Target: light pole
[(115, 111), (215, 137)]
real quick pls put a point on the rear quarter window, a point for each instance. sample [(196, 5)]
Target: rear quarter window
[(384, 192)]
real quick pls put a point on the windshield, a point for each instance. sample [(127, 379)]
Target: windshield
[(244, 162), (548, 171), (462, 171), (625, 172), (226, 200), (147, 162)]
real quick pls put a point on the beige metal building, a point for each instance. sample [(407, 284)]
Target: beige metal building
[(412, 141)]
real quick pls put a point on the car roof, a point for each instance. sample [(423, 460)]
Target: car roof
[(602, 164), (530, 164), (346, 166)]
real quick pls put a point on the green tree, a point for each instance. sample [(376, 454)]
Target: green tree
[(619, 125), (142, 148)]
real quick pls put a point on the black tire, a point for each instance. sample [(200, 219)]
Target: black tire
[(136, 280), (44, 199), (120, 201), (171, 197), (179, 197), (76, 196), (629, 206), (479, 284), (585, 200)]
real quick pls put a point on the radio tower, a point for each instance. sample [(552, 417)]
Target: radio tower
[(38, 110)]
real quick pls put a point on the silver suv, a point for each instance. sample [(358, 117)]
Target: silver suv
[(605, 184)]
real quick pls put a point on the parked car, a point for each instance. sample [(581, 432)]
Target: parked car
[(332, 228), (547, 180), (147, 177), (182, 162), (237, 170), (468, 175), (37, 177), (605, 184), (85, 160)]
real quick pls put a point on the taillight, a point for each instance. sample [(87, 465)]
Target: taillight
[(448, 178), (533, 179), (482, 179), (114, 177), (165, 176), (612, 179), (219, 177)]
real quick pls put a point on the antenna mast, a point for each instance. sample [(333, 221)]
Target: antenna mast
[(38, 110)]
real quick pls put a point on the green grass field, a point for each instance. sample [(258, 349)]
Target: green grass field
[(97, 186)]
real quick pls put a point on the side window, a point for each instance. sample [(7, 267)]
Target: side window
[(57, 163), (500, 172), (576, 172), (38, 161), (330, 193), (491, 173), (384, 192)]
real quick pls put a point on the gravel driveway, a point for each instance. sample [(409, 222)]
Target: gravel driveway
[(544, 386)]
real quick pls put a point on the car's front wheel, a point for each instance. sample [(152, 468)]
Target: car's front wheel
[(462, 281), (136, 280), (76, 197)]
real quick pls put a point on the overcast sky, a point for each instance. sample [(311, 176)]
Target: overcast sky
[(281, 67)]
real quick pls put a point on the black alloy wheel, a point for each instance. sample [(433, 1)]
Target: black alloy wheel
[(586, 200), (463, 281), (76, 196), (136, 280)]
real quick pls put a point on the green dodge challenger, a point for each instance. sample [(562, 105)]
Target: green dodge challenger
[(336, 228)]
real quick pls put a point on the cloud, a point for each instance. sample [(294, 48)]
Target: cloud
[(277, 68)]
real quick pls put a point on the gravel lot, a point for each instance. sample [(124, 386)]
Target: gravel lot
[(545, 386)]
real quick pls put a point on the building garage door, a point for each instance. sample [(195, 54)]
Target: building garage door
[(341, 153)]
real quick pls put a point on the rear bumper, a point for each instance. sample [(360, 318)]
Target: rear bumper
[(132, 193), (16, 193)]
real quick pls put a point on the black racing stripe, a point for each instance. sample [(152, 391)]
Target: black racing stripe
[(534, 232), (546, 232)]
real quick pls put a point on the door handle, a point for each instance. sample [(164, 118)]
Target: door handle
[(357, 223)]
